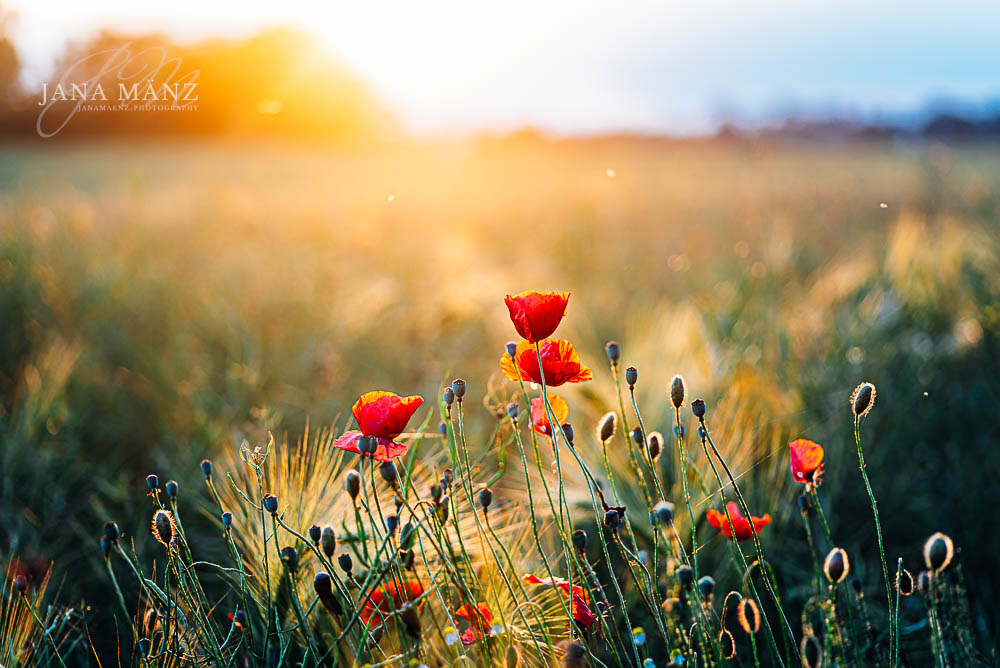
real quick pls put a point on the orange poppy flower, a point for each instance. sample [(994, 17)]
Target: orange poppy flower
[(560, 363), (579, 598), (383, 416), (540, 416), (806, 460), (480, 621), (536, 315), (388, 598), (744, 528)]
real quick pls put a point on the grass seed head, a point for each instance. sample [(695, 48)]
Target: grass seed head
[(863, 399), (939, 550)]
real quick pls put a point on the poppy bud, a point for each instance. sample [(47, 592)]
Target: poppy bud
[(804, 503), (678, 393), (458, 387), (448, 396), (111, 531), (352, 483), (631, 376), (655, 441), (612, 520), (443, 429), (938, 552), (485, 498), (367, 445), (513, 410), (315, 533), (389, 473), (580, 540), (323, 585), (328, 540), (448, 475), (290, 558), (144, 646), (106, 546), (398, 501), (392, 523), (904, 582), (377, 634), (575, 656), (406, 536), (812, 652), (345, 562), (271, 503), (727, 644), (411, 620), (613, 351), (227, 519), (837, 565), (567, 429), (606, 427), (685, 575), (863, 398), (664, 511), (443, 509), (406, 558), (706, 585), (171, 488), (20, 584), (153, 482), (435, 491), (748, 615), (206, 468), (698, 408), (511, 348), (924, 582), (637, 436)]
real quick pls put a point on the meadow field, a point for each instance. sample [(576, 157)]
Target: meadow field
[(163, 303)]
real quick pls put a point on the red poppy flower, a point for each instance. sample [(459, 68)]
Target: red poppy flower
[(480, 621), (742, 525), (383, 416), (806, 460), (560, 363), (540, 416), (536, 315), (388, 598), (580, 599)]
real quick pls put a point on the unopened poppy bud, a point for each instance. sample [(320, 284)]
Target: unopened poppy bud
[(171, 488), (111, 531), (664, 511), (435, 492), (863, 398), (20, 584), (631, 377), (406, 536), (443, 509), (448, 475), (612, 520), (678, 393), (323, 585), (812, 652), (485, 498), (637, 435), (315, 533), (511, 348), (206, 468), (748, 615), (938, 552), (290, 558), (448, 396), (106, 546), (655, 441), (328, 541), (271, 503), (567, 429), (606, 427), (163, 527), (513, 410), (443, 429), (377, 634), (144, 646), (613, 351), (345, 562), (837, 565), (904, 582), (698, 408), (706, 584), (352, 483), (580, 540), (153, 482), (227, 519), (389, 473), (685, 575), (458, 387), (392, 523), (924, 582)]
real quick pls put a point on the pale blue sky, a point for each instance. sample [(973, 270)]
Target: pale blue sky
[(594, 66)]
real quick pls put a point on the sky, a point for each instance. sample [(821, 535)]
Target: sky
[(593, 66)]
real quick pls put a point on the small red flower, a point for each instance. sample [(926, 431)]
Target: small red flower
[(388, 598), (560, 363), (540, 416), (480, 621), (536, 315), (806, 460), (582, 614), (382, 415), (743, 527)]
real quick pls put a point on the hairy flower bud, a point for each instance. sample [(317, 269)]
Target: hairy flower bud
[(606, 427), (613, 351), (290, 558), (655, 441), (863, 398), (346, 562), (315, 533), (227, 519), (352, 483), (513, 410), (664, 511), (706, 584), (567, 429), (153, 482), (389, 473), (678, 393), (328, 541), (837, 565), (685, 575), (938, 552), (904, 582), (206, 468), (171, 488), (111, 531), (448, 396), (511, 348), (323, 585)]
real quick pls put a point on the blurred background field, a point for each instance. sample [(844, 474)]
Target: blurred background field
[(162, 301)]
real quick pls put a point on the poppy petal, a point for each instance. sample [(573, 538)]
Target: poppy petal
[(540, 416), (384, 414)]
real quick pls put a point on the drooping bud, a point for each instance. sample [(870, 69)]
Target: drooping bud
[(458, 387), (290, 558), (655, 445), (748, 615), (706, 584), (698, 408), (613, 351), (389, 473), (606, 427), (346, 562), (443, 508), (406, 536), (206, 468), (631, 377), (512, 658), (171, 488), (352, 483), (863, 398), (837, 565), (664, 511), (270, 503), (411, 620), (328, 541), (485, 498), (20, 584), (857, 586), (939, 550), (924, 582), (567, 429), (111, 531), (678, 393), (323, 585), (580, 540), (315, 533)]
